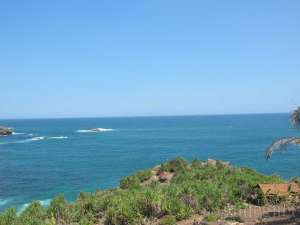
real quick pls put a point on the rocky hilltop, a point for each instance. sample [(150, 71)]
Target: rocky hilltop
[(5, 131)]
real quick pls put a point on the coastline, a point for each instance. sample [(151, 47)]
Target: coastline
[(168, 194)]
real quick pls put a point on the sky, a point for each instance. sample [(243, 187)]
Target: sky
[(95, 58)]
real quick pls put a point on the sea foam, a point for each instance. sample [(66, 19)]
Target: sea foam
[(39, 138), (59, 137), (44, 203), (3, 202), (15, 133)]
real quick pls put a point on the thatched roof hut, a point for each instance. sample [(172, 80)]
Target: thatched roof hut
[(282, 189)]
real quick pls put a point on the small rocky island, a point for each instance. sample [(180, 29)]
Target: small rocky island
[(4, 131)]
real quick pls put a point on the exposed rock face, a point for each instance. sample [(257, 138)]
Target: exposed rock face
[(5, 131), (211, 162), (165, 177)]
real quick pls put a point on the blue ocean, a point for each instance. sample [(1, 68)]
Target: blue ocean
[(46, 157)]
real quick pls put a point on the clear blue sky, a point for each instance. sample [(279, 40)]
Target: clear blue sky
[(148, 57)]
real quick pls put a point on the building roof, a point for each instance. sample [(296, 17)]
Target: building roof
[(279, 189)]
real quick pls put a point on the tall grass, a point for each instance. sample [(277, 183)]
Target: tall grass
[(196, 188)]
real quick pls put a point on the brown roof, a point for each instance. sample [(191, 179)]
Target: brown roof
[(279, 189)]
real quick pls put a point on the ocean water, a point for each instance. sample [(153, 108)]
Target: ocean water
[(46, 157)]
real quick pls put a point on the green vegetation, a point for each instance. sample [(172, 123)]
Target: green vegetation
[(136, 179), (197, 187), (168, 220), (211, 217), (178, 164)]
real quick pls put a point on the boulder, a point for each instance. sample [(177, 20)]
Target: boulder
[(165, 177), (225, 163), (211, 162), (5, 131)]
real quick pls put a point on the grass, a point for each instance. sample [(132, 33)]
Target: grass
[(195, 188), (211, 217)]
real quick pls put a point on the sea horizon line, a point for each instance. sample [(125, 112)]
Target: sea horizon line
[(142, 116)]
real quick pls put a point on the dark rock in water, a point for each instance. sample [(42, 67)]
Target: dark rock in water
[(5, 131)]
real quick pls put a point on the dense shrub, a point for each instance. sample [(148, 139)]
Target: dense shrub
[(58, 209), (143, 175), (34, 214), (135, 180), (195, 188), (149, 202), (9, 217), (123, 210), (175, 165), (211, 217), (168, 220), (130, 182)]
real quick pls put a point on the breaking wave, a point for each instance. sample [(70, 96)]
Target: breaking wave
[(44, 203), (59, 137), (3, 202), (40, 138), (24, 141), (31, 139), (15, 133)]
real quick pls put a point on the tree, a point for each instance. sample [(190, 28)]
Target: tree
[(282, 143)]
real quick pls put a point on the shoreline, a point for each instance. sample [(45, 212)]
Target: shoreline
[(176, 173)]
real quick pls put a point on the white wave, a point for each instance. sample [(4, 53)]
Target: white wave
[(15, 133), (95, 130), (83, 131), (59, 137), (29, 140), (22, 208), (35, 139), (24, 141), (3, 202), (44, 203)]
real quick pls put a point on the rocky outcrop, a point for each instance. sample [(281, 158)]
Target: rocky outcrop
[(5, 131)]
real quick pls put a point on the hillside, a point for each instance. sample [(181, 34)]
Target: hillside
[(167, 194)]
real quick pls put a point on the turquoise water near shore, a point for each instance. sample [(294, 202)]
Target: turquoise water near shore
[(46, 157)]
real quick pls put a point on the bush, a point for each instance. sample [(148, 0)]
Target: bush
[(211, 217), (122, 212), (58, 209), (34, 214), (175, 165), (173, 205), (135, 180), (296, 180), (9, 217), (144, 175), (86, 207), (130, 182), (168, 220), (150, 203)]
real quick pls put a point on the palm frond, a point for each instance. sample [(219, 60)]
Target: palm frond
[(281, 144), (295, 118)]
